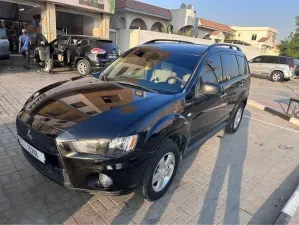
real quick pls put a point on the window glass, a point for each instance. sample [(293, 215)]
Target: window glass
[(256, 60), (231, 67), (254, 37), (151, 67), (105, 45), (212, 71), (2, 33), (74, 40), (62, 40), (269, 59), (242, 65), (296, 62)]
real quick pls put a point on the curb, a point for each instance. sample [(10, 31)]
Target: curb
[(289, 209), (283, 116)]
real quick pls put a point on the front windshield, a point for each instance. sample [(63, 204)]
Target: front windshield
[(152, 67), (2, 34)]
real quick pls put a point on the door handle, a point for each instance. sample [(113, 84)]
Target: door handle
[(223, 95)]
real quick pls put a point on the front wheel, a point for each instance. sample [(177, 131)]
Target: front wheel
[(235, 122), (161, 171)]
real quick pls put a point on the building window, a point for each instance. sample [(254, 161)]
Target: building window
[(254, 37)]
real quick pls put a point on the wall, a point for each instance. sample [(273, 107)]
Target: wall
[(130, 38), (129, 17), (203, 32)]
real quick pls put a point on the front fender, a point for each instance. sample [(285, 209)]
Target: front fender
[(166, 127)]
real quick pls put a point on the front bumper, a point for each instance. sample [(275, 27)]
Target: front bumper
[(81, 171)]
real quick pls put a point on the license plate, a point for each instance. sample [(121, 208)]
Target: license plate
[(33, 151), (112, 56)]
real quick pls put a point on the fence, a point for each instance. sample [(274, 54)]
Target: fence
[(127, 39)]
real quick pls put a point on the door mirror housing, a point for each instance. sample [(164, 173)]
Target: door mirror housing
[(42, 43), (211, 89)]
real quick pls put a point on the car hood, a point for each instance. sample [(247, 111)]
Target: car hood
[(90, 108)]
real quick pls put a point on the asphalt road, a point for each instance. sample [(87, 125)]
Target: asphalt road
[(275, 95)]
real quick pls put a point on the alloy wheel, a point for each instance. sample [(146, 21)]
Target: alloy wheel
[(238, 118), (82, 68), (163, 172), (276, 76)]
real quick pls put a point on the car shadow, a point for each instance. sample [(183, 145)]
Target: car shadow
[(182, 196), (26, 196), (274, 204)]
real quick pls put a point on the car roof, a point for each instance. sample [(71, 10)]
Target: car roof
[(190, 48), (186, 48)]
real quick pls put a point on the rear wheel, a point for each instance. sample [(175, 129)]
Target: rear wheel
[(235, 122), (277, 76), (83, 67), (161, 171)]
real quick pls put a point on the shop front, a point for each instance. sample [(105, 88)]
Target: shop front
[(56, 18)]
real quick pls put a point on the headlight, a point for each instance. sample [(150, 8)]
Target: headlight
[(108, 147)]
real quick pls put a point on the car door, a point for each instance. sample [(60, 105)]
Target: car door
[(268, 63), (72, 49), (255, 65), (233, 81), (208, 110), (58, 47)]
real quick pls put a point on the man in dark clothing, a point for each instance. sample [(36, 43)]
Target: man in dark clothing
[(24, 48)]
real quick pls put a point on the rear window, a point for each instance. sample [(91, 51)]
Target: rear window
[(287, 61), (296, 62), (243, 67), (106, 45), (231, 67)]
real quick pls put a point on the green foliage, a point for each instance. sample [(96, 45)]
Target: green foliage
[(112, 6), (290, 46)]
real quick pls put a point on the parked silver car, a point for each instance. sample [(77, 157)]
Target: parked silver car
[(4, 45), (277, 68)]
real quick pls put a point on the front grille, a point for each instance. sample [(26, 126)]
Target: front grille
[(40, 141), (51, 169)]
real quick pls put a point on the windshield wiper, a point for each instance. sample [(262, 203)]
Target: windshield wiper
[(136, 86)]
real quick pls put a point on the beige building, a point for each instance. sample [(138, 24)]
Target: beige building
[(261, 37)]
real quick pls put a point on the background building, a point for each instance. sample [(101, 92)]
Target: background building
[(57, 17)]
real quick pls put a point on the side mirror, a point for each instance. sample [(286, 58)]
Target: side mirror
[(211, 89), (42, 43)]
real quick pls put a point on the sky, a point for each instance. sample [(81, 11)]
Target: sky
[(265, 13)]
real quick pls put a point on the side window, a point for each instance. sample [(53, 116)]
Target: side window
[(61, 40), (74, 41), (231, 67), (269, 59), (243, 67), (256, 60), (212, 71)]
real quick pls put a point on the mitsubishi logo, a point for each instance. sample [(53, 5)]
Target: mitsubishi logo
[(29, 136)]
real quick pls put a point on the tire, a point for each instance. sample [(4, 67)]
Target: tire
[(83, 67), (233, 125), (149, 188), (276, 76)]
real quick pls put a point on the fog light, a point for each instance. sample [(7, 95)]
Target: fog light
[(105, 180)]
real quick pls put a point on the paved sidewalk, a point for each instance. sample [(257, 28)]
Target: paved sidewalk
[(275, 95), (242, 178)]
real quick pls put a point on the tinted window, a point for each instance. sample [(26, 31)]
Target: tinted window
[(231, 67), (269, 59), (61, 40), (296, 62), (106, 45), (256, 60), (212, 71), (74, 40), (282, 60), (151, 67), (2, 33), (243, 67)]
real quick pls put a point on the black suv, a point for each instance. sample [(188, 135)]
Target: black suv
[(86, 53), (131, 126)]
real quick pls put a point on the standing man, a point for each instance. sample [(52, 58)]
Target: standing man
[(24, 48)]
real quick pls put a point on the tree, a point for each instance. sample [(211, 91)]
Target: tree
[(290, 46)]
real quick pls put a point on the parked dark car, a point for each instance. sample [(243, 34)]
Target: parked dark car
[(133, 125), (87, 53)]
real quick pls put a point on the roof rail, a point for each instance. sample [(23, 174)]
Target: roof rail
[(225, 45), (167, 40)]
